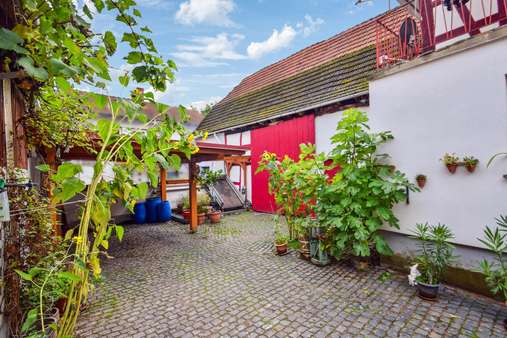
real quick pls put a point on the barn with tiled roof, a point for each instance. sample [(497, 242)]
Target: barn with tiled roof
[(297, 100)]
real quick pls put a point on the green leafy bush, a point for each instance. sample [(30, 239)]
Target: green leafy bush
[(435, 252), (208, 177), (496, 272), (359, 199)]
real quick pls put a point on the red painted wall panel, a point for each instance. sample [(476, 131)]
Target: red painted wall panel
[(283, 138)]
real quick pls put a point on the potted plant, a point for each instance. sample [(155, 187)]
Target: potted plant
[(201, 214), (470, 163), (214, 216), (435, 255), (496, 272), (451, 162), (185, 206), (281, 242), (421, 180), (301, 226)]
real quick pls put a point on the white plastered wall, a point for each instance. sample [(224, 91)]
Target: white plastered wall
[(454, 104)]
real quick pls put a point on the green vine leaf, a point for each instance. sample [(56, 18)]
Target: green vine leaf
[(110, 42), (36, 72), (23, 275), (9, 40), (43, 168), (58, 67), (30, 320)]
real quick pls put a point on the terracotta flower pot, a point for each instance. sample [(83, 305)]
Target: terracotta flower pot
[(201, 218), (304, 248), (186, 214), (214, 216), (452, 168), (281, 248), (421, 182), (470, 167)]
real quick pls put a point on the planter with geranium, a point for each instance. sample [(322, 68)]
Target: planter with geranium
[(435, 253), (496, 272), (470, 163), (451, 161)]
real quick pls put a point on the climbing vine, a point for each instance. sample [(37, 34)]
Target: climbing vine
[(51, 52)]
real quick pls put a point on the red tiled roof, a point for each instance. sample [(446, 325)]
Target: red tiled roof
[(353, 39)]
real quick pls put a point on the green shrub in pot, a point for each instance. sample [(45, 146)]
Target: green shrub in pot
[(359, 199), (435, 253)]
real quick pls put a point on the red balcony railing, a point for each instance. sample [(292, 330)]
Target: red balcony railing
[(433, 24), (446, 21), (398, 38)]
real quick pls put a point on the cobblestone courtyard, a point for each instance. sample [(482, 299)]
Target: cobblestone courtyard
[(225, 281)]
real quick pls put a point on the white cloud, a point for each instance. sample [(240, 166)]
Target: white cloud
[(214, 12), (276, 41), (200, 105), (310, 25), (209, 50)]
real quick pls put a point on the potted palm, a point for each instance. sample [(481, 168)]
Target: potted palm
[(435, 255), (470, 163), (496, 272), (451, 162)]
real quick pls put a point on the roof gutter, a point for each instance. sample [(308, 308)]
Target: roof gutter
[(293, 112)]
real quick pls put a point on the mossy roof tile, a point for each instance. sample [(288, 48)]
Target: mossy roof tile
[(337, 79)]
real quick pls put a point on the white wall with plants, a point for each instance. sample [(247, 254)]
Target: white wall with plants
[(455, 105)]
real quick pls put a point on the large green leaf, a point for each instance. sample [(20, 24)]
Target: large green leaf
[(162, 161), (9, 40), (24, 275), (30, 320), (110, 42), (58, 67), (70, 187), (174, 161), (66, 170), (37, 73)]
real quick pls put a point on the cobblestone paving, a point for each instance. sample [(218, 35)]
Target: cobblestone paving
[(225, 281)]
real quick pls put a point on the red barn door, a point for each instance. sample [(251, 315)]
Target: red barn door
[(282, 139)]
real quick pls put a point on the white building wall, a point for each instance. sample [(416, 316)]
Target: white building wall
[(325, 128), (454, 104)]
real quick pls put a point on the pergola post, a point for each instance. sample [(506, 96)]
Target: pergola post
[(194, 173), (163, 184)]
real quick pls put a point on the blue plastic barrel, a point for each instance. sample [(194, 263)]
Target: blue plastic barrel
[(140, 213), (164, 211), (151, 209)]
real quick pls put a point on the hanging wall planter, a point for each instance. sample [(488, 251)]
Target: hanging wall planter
[(421, 180), (470, 163), (451, 161)]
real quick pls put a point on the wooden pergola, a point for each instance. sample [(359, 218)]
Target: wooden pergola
[(207, 152)]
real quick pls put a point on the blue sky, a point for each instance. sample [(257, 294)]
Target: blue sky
[(216, 43)]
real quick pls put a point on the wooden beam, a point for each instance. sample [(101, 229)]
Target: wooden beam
[(179, 181), (163, 184), (194, 173)]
